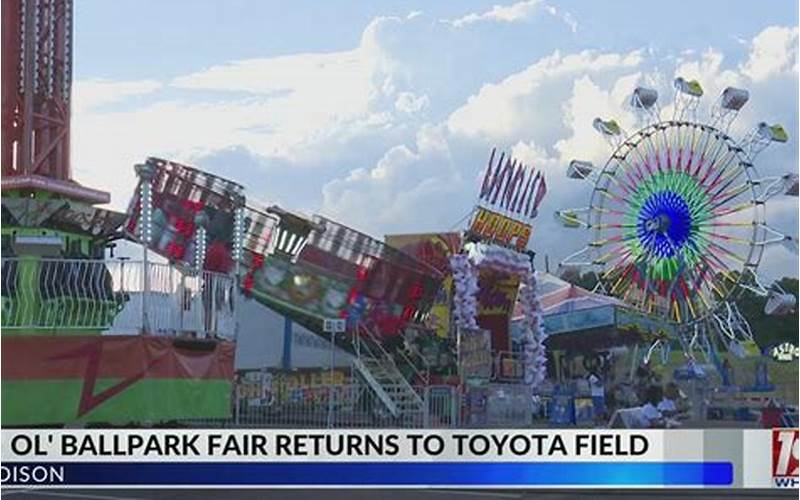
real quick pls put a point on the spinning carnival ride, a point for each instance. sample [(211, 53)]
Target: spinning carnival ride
[(677, 217)]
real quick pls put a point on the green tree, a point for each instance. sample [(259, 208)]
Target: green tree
[(573, 276)]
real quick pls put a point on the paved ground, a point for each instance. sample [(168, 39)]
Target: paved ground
[(367, 494)]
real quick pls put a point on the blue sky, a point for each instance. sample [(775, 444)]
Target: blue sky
[(382, 114), (132, 38)]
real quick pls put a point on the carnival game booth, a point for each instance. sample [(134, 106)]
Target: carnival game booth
[(587, 334), (576, 317)]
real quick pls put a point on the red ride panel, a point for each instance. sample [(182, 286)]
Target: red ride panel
[(37, 357)]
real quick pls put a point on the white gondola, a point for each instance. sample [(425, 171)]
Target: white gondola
[(775, 133), (790, 184), (727, 107), (569, 218), (644, 98), (779, 303), (687, 99), (582, 258), (790, 243), (762, 136), (607, 127), (688, 87), (610, 130), (644, 103), (786, 184), (751, 281), (734, 99), (579, 169)]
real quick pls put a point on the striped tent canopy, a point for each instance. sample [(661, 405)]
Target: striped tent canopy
[(557, 296), (578, 319), (574, 318)]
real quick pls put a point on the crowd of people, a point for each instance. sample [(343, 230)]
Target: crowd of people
[(645, 402)]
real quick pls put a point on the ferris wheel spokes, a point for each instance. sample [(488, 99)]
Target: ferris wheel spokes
[(677, 216), (713, 161)]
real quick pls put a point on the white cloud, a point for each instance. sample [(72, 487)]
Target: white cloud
[(569, 20), (303, 108), (514, 13), (543, 114), (403, 189), (407, 102), (285, 73), (773, 51), (89, 94), (523, 113), (303, 98), (519, 11), (530, 153), (530, 100), (586, 102), (397, 131)]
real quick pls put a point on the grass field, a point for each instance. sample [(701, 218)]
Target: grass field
[(784, 375)]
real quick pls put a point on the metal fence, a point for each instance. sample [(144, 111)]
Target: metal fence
[(336, 406), (509, 406), (115, 297), (356, 406)]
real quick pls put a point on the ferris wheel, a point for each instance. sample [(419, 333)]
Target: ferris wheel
[(677, 217)]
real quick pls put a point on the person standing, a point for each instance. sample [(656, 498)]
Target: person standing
[(652, 417), (597, 391)]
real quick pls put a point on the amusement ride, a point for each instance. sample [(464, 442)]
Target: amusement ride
[(677, 218)]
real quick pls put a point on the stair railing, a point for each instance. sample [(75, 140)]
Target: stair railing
[(373, 346)]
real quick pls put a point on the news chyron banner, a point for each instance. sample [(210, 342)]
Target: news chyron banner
[(527, 458)]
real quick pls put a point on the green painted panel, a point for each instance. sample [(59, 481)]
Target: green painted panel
[(42, 402)]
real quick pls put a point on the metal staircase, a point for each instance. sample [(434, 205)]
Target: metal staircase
[(380, 371)]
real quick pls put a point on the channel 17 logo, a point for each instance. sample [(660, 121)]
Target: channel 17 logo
[(785, 455)]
